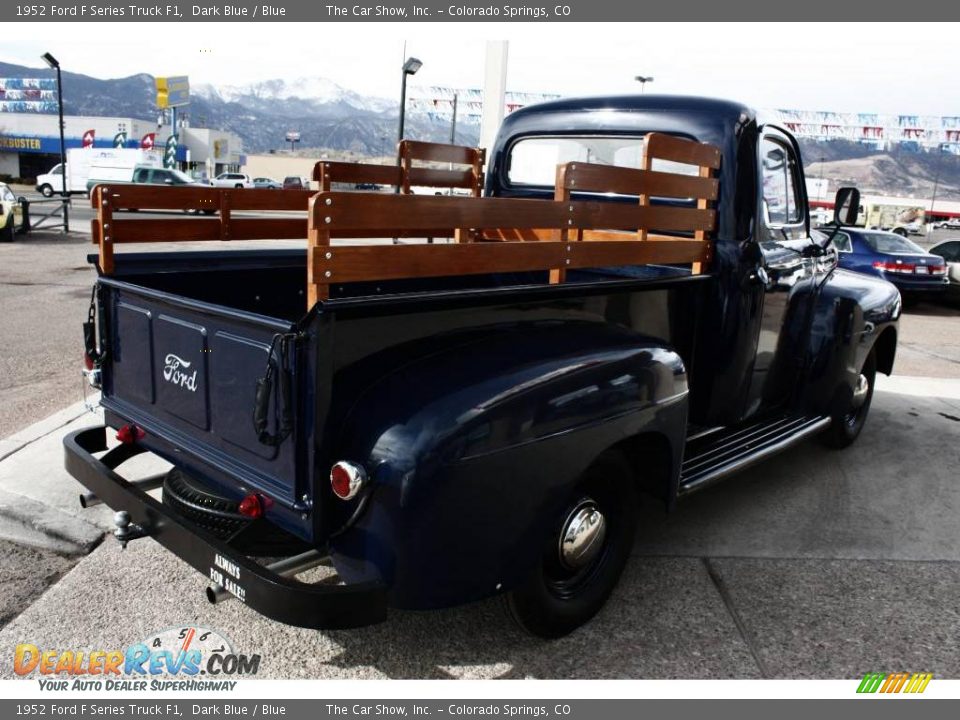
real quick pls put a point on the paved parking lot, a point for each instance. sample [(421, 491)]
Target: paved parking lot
[(815, 564)]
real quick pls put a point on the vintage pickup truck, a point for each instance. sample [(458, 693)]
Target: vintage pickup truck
[(632, 307)]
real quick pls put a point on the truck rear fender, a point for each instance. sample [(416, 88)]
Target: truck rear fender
[(473, 451)]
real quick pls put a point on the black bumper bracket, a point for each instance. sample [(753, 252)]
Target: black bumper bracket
[(280, 598)]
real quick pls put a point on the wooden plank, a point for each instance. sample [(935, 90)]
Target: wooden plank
[(681, 150), (394, 262), (434, 177), (165, 230), (536, 234), (156, 197), (632, 252), (389, 213), (439, 152), (588, 177), (331, 172)]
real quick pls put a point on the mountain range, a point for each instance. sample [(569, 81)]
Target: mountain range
[(332, 117), (327, 115)]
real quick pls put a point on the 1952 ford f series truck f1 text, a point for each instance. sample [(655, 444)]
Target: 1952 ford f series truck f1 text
[(630, 305)]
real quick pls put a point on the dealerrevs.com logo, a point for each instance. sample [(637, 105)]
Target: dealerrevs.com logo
[(176, 371), (178, 658)]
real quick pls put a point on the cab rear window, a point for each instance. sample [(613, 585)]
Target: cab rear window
[(533, 161)]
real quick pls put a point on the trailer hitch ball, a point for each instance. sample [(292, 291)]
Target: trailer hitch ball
[(125, 530)]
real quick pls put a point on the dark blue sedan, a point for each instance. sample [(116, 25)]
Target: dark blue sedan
[(904, 263)]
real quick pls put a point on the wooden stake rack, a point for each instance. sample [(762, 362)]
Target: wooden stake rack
[(492, 234)]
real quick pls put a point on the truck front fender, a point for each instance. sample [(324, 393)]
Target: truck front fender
[(473, 450), (853, 315)]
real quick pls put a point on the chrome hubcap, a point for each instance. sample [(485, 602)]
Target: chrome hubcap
[(860, 392), (582, 537)]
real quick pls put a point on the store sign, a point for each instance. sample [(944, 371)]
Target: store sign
[(173, 91), (29, 144)]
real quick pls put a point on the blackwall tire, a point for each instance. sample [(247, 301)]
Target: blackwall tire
[(850, 414), (557, 598)]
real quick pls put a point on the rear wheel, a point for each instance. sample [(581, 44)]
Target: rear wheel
[(585, 554), (850, 415)]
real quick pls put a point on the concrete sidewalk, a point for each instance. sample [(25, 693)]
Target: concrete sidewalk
[(785, 571)]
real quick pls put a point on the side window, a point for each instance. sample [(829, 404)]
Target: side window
[(142, 175), (949, 252), (842, 243), (780, 197)]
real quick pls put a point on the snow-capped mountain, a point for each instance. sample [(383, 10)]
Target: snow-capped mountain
[(325, 114), (316, 89)]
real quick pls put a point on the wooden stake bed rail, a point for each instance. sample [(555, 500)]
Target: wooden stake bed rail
[(493, 234)]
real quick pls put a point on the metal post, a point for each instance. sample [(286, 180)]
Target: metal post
[(410, 67), (63, 155), (453, 126)]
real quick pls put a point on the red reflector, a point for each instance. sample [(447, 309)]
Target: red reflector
[(130, 434), (250, 506), (346, 479), (87, 362)]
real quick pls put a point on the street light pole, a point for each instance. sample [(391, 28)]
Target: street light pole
[(453, 125), (51, 62), (410, 67), (643, 80)]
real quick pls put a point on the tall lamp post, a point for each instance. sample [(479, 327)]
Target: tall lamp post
[(53, 64), (410, 67), (643, 80)]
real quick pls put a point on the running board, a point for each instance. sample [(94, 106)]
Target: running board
[(720, 454)]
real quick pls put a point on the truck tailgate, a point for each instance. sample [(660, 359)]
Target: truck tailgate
[(186, 372)]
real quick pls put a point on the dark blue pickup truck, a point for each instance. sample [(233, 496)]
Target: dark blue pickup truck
[(634, 308)]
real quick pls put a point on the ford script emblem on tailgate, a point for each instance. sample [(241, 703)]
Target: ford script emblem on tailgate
[(175, 371)]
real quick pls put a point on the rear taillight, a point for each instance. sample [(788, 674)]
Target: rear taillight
[(129, 434), (906, 268), (347, 479), (251, 506), (88, 361)]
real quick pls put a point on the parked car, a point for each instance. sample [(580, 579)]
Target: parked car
[(949, 224), (10, 213), (267, 183), (148, 175), (889, 255), (292, 182), (949, 250), (447, 423), (232, 180)]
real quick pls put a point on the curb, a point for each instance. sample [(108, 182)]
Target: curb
[(20, 439)]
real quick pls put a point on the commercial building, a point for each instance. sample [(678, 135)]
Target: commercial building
[(30, 142)]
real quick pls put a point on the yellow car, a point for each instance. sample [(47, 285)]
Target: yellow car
[(10, 213)]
